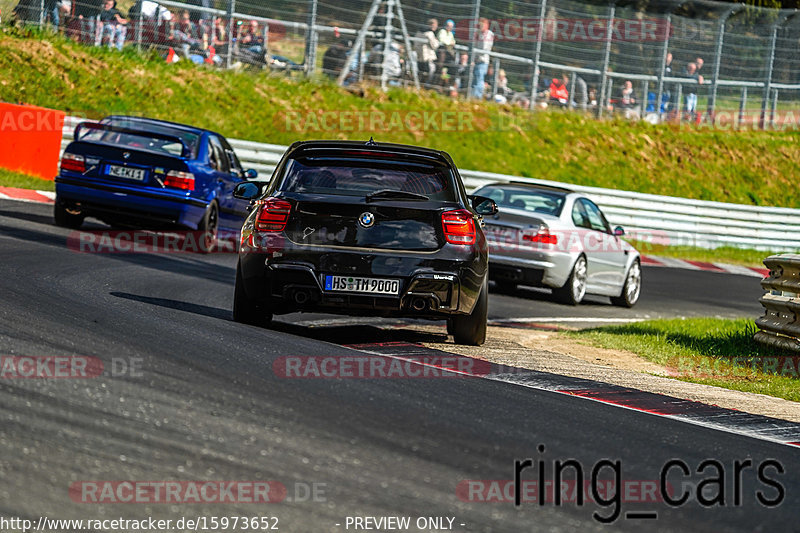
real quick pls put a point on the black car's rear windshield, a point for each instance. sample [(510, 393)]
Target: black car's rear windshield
[(535, 200), (354, 177)]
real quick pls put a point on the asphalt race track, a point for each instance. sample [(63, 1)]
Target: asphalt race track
[(205, 404)]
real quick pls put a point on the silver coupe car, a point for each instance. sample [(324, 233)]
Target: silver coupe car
[(546, 236)]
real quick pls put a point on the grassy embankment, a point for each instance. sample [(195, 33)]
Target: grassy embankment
[(711, 351)]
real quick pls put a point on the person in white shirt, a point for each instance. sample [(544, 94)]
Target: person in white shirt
[(447, 45), (483, 43), (426, 52)]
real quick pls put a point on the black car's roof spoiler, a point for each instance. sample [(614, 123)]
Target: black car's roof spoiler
[(130, 131)]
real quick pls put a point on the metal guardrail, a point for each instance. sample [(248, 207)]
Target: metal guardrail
[(654, 218), (780, 326)]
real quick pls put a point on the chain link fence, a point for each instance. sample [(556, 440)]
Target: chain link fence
[(727, 64)]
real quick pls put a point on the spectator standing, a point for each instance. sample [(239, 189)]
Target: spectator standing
[(87, 12), (447, 44), (219, 39), (627, 100), (483, 43), (666, 96), (187, 35), (251, 43), (461, 73), (691, 89), (335, 56), (580, 97), (559, 94), (52, 10), (112, 26), (426, 52)]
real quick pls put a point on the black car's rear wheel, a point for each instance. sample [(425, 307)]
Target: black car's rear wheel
[(246, 310), (471, 329), (64, 218)]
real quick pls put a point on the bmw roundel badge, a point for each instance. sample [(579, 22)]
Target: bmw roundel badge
[(366, 219)]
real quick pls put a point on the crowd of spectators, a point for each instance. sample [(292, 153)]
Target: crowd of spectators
[(202, 38), (192, 35)]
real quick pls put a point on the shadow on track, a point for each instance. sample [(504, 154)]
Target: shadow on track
[(355, 334), (524, 292), (197, 309)]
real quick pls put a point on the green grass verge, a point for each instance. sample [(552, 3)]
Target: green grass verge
[(743, 167), (712, 351), (725, 254), (9, 178)]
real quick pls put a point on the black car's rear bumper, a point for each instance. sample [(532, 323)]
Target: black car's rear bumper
[(432, 284)]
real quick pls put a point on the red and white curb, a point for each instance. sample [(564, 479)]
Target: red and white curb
[(688, 411), (650, 260), (27, 195), (46, 197)]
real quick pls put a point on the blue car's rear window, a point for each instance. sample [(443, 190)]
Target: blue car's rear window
[(143, 140)]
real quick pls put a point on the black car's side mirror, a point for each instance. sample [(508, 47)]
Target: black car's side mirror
[(250, 174), (483, 205), (246, 191), (618, 231)]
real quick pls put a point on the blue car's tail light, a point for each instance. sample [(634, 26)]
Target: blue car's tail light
[(273, 214), (179, 180), (459, 227), (73, 162)]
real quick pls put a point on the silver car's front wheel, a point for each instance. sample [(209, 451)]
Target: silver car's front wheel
[(632, 288), (574, 289)]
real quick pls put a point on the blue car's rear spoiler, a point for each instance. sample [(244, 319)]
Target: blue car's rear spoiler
[(141, 133)]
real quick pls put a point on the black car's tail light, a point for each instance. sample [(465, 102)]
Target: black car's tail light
[(179, 180), (73, 162), (542, 236), (273, 214), (459, 226)]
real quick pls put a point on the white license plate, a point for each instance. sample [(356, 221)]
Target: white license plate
[(126, 172), (363, 285), (500, 234)]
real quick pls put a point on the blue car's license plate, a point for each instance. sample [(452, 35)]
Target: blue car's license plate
[(126, 172), (363, 285)]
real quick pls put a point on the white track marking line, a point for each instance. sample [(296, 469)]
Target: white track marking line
[(567, 319)]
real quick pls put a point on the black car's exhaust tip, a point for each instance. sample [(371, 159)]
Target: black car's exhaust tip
[(419, 304), (301, 297)]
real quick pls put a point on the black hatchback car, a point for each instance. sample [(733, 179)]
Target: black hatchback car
[(368, 229)]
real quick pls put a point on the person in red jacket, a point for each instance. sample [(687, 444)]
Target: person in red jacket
[(559, 94)]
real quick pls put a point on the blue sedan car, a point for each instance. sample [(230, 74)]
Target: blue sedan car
[(150, 174)]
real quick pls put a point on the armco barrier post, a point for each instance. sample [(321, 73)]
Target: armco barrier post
[(30, 139), (606, 57), (537, 54), (712, 97), (231, 32), (310, 56)]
